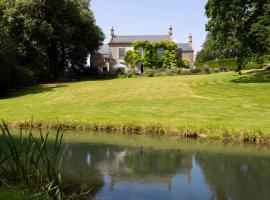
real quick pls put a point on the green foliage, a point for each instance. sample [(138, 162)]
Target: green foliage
[(30, 162), (150, 57), (248, 22), (55, 35), (231, 63), (214, 49), (6, 59), (183, 63), (132, 57)]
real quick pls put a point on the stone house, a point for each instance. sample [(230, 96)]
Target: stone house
[(112, 55)]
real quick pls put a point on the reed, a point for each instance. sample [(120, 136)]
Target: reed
[(27, 160)]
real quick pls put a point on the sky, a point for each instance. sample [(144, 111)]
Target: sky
[(152, 17)]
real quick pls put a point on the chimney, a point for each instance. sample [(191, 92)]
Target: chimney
[(171, 33), (112, 32), (190, 39)]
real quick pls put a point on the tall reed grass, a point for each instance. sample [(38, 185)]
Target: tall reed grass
[(28, 161)]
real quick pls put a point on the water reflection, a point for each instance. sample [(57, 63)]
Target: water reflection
[(123, 172), (120, 172), (236, 177)]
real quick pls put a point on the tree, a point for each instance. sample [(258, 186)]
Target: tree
[(213, 49), (6, 62), (247, 21), (51, 35)]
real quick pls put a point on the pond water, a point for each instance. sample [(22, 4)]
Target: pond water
[(132, 168)]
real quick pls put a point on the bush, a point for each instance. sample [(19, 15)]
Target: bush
[(196, 71), (24, 76), (118, 72), (5, 78), (266, 59), (206, 70), (131, 74), (230, 64), (252, 65), (186, 72), (224, 69), (149, 72), (13, 77)]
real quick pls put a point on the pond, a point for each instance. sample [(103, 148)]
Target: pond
[(125, 167)]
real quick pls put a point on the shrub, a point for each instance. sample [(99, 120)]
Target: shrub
[(252, 65), (131, 74), (196, 71), (224, 69), (186, 72), (118, 72), (149, 72), (206, 70), (24, 76)]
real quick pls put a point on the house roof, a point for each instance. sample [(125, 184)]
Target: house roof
[(103, 52), (184, 47), (136, 38)]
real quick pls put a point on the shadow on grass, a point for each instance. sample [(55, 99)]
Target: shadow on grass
[(38, 89), (41, 88), (256, 76)]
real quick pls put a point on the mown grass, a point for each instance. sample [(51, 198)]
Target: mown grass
[(224, 105)]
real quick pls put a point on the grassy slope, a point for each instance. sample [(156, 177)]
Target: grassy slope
[(224, 100)]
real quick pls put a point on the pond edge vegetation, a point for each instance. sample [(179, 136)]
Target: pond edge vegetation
[(255, 136), (27, 163), (32, 170)]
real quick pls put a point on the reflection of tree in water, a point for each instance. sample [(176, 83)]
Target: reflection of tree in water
[(79, 167), (236, 177), (151, 162), (148, 165), (87, 164)]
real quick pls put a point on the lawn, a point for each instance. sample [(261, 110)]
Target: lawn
[(225, 101)]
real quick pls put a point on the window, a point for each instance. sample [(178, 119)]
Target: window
[(140, 50), (160, 52), (122, 52)]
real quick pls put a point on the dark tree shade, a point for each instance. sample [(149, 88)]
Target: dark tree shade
[(52, 36)]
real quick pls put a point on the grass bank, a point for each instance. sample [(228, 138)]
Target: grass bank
[(224, 105)]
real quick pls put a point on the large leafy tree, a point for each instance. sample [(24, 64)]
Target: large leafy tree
[(51, 35), (247, 21), (212, 49), (6, 59)]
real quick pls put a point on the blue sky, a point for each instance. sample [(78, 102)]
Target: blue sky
[(146, 17)]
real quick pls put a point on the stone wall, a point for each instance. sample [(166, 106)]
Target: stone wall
[(189, 56), (114, 49), (99, 64)]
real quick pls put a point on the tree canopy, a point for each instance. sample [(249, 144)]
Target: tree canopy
[(212, 49), (246, 21), (51, 36)]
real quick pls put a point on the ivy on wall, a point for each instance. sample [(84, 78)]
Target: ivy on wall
[(154, 54)]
